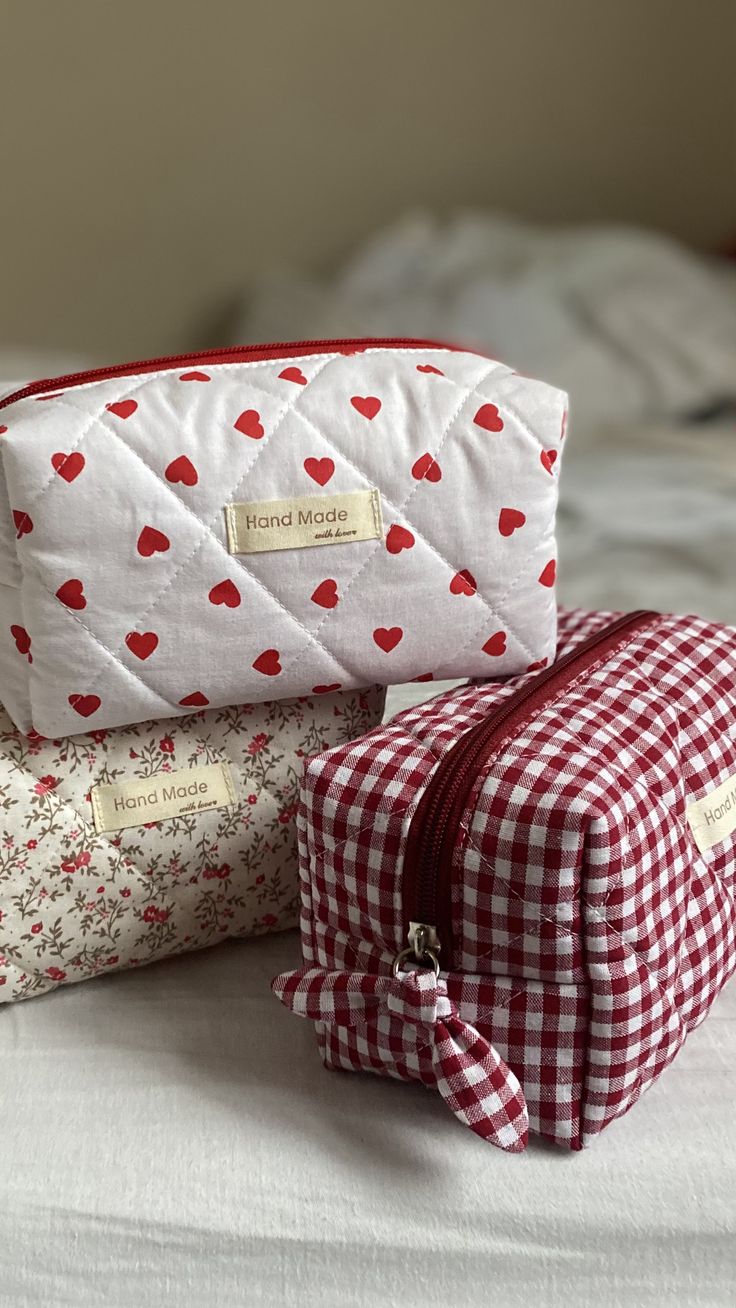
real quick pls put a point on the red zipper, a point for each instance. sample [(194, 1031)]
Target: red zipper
[(236, 354), (433, 833)]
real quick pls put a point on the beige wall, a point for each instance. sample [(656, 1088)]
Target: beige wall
[(154, 155)]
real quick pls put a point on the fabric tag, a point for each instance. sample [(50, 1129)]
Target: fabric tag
[(165, 795), (713, 818), (309, 520)]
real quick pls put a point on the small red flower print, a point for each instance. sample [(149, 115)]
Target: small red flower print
[(260, 880), (110, 962), (133, 754), (79, 860), (125, 892), (258, 743), (31, 844), (56, 973), (269, 920), (221, 873), (287, 814), (162, 915), (3, 979), (46, 784), (37, 926), (149, 914), (252, 799), (166, 745)]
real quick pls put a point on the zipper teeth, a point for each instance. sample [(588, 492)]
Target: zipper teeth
[(224, 355), (461, 761), (475, 740)]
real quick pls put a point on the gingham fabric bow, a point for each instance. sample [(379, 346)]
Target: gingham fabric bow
[(470, 1075)]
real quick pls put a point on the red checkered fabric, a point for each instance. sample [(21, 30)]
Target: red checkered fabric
[(469, 1073), (590, 933)]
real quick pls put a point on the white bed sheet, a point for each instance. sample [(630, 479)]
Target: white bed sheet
[(648, 519), (170, 1138)]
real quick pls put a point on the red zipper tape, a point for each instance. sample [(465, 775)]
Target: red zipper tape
[(235, 354), (432, 836)]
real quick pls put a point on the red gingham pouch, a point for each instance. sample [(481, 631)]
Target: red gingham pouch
[(522, 893)]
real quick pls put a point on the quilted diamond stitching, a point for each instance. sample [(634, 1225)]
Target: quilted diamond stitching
[(510, 408), (207, 530), (86, 429), (400, 512), (131, 672), (313, 637), (232, 559)]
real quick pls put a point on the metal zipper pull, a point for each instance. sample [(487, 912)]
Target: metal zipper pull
[(424, 946)]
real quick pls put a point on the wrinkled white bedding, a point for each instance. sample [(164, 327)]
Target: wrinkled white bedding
[(648, 519), (170, 1138), (629, 323)]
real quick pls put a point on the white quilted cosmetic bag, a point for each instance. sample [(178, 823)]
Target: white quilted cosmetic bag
[(271, 521), (121, 847)]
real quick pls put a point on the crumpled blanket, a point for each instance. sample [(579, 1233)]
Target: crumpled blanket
[(630, 323)]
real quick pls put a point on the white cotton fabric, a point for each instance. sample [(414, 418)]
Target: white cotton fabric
[(125, 433)]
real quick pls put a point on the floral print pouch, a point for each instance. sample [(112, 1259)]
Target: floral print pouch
[(84, 890)]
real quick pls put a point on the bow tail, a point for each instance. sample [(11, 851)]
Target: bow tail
[(342, 997), (477, 1085), (469, 1073)]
